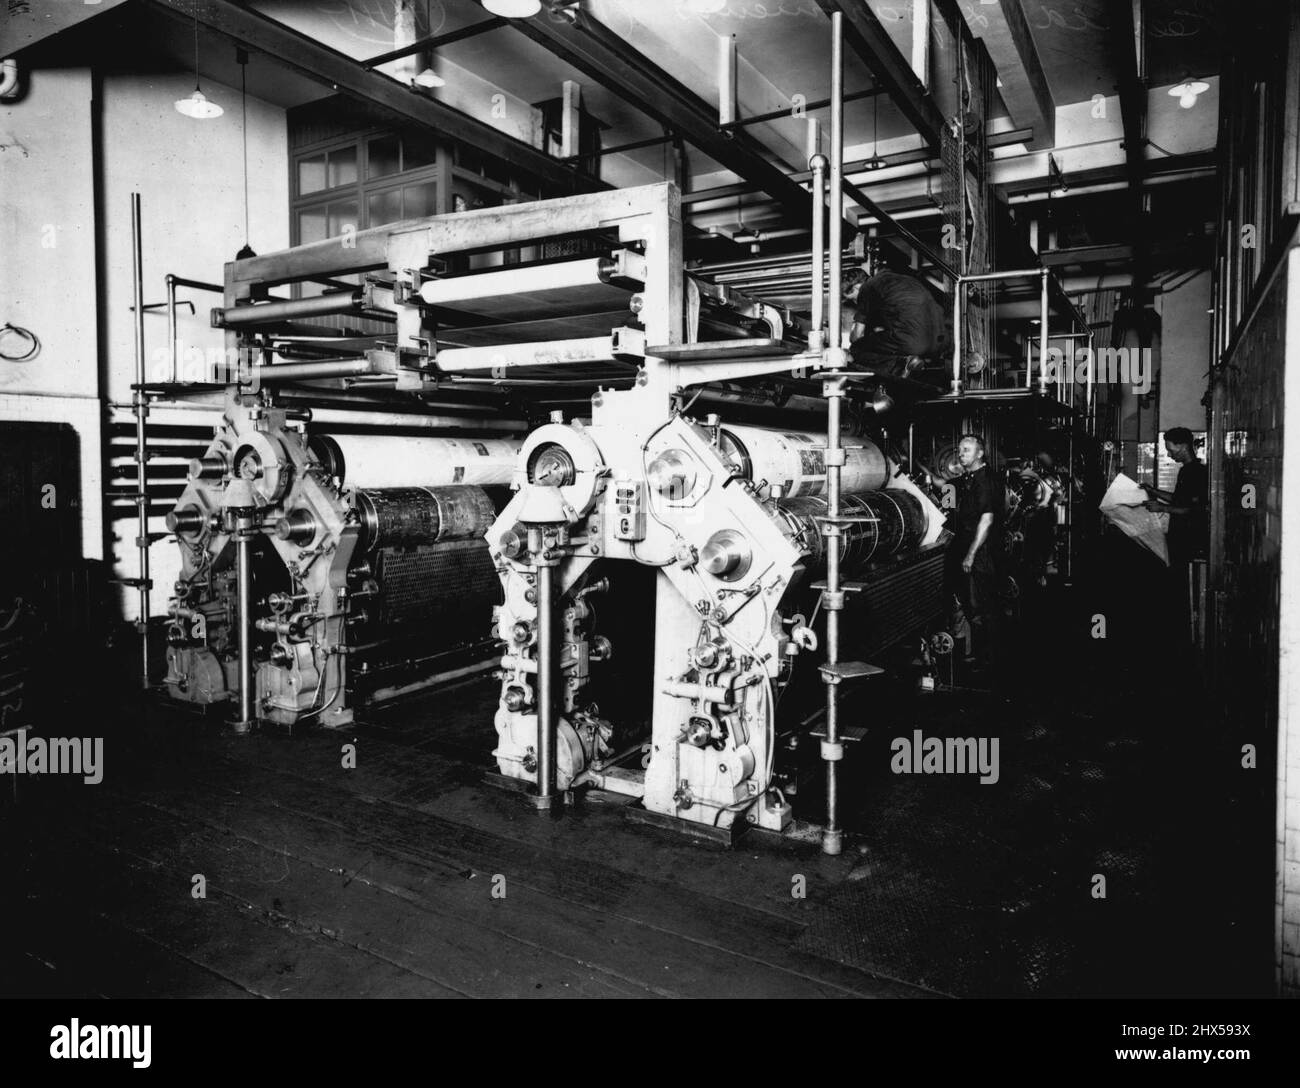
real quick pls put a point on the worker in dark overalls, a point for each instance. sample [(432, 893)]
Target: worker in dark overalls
[(1188, 538), (898, 325), (975, 559)]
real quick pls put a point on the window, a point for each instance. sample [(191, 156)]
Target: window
[(358, 182), (349, 177)]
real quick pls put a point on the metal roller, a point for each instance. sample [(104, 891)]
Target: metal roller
[(795, 461), (404, 517), (382, 460), (890, 522)]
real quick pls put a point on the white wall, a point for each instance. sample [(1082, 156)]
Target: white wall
[(1186, 354), (47, 235), (47, 270), (190, 177)]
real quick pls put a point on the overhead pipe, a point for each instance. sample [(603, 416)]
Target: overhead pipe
[(325, 368), (358, 417), (264, 313)]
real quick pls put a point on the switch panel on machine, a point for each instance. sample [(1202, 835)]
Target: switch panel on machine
[(629, 510)]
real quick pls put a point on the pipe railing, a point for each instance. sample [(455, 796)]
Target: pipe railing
[(173, 282), (1045, 282)]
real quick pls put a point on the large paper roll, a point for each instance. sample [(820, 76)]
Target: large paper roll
[(795, 461), (404, 517), (382, 460)]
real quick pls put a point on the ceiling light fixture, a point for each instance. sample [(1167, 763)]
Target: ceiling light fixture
[(1187, 91), (241, 58), (875, 162), (197, 105), (513, 9)]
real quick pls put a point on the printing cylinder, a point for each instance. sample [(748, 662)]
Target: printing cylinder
[(383, 461), (403, 517), (892, 522), (795, 461)]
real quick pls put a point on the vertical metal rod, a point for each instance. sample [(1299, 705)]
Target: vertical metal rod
[(1042, 335), (1092, 361), (834, 301), (244, 529), (832, 836), (813, 138), (817, 336), (547, 670), (140, 406), (171, 322), (958, 293), (1069, 510)]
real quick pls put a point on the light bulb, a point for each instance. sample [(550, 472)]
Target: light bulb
[(198, 107), (513, 9), (1187, 91)]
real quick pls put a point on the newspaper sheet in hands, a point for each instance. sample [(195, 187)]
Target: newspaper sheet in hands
[(1122, 504)]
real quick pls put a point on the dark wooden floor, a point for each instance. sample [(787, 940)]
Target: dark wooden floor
[(321, 880), (380, 880)]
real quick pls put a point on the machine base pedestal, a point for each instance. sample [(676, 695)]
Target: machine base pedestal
[(726, 837), (526, 792)]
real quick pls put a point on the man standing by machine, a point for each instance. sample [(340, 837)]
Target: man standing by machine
[(1189, 524), (976, 552)]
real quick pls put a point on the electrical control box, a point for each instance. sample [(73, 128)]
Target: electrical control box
[(629, 510)]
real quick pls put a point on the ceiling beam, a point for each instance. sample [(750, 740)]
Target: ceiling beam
[(593, 49), (27, 24), (437, 41), (1124, 44), (1196, 164), (888, 66), (351, 77), (1028, 97)]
